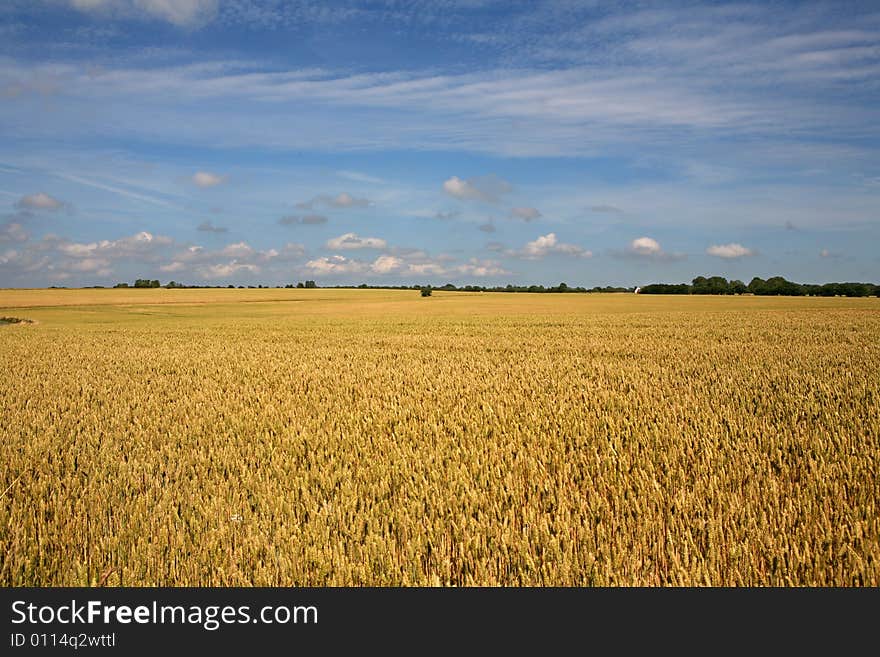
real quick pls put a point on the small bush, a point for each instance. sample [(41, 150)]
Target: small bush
[(426, 291)]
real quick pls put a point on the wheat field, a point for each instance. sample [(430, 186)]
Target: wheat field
[(366, 437)]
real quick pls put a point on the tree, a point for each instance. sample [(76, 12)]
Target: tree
[(311, 284), (426, 291)]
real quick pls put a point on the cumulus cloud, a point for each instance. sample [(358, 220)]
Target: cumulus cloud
[(206, 179), (341, 200), (416, 263), (306, 220), (13, 232), (483, 188), (99, 266), (548, 244), (481, 269), (354, 241), (386, 264), (226, 270), (646, 246), (729, 251), (335, 264), (209, 227), (182, 13), (17, 262), (526, 214), (138, 244), (39, 201), (232, 259), (237, 250)]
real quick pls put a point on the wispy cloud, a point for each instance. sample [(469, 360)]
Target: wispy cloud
[(209, 227), (206, 179), (305, 220), (117, 190), (357, 176), (341, 200), (611, 209), (182, 13)]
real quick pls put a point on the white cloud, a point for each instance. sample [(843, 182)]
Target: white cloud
[(137, 244), (481, 269), (357, 176), (182, 13), (227, 269), (172, 267), (484, 188), (646, 246), (548, 244), (526, 214), (100, 266), (39, 201), (336, 264), (13, 232), (649, 249), (354, 241), (386, 264), (306, 220), (237, 250), (729, 251), (207, 179), (341, 200), (426, 269)]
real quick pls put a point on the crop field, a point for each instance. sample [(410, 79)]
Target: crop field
[(368, 437)]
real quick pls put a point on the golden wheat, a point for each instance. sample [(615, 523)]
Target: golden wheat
[(329, 437)]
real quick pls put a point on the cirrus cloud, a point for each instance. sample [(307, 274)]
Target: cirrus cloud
[(305, 220)]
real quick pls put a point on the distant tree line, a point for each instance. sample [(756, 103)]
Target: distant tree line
[(774, 286), (449, 287)]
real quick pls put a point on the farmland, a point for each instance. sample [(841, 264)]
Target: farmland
[(373, 437)]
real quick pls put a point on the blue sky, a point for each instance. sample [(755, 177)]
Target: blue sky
[(466, 141)]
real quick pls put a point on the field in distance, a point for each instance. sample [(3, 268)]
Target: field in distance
[(374, 437)]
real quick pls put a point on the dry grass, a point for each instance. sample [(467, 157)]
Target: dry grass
[(324, 437)]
